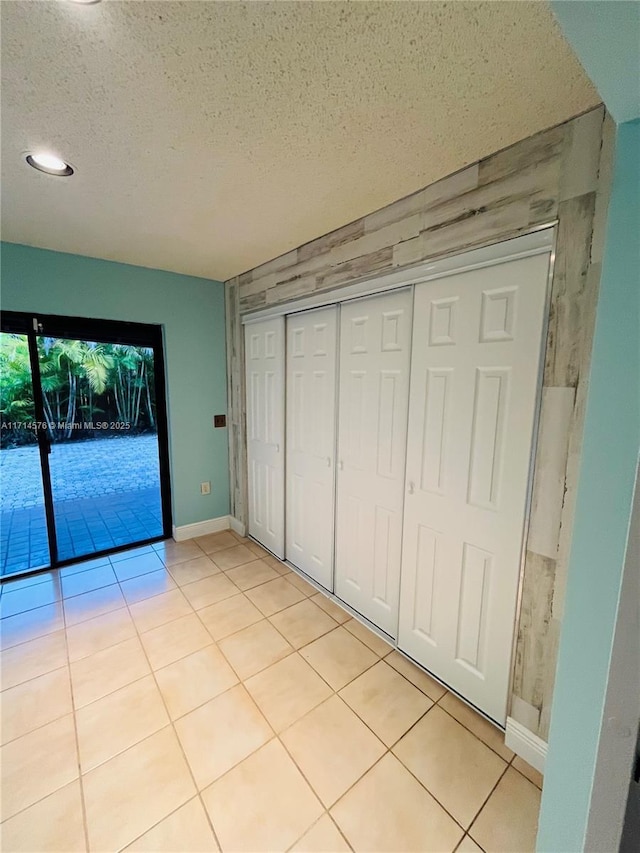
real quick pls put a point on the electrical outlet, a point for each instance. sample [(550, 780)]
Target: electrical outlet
[(205, 488)]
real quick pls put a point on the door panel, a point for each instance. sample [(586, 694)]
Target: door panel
[(24, 542), (264, 350), (310, 423), (375, 341), (87, 443), (104, 460), (474, 381)]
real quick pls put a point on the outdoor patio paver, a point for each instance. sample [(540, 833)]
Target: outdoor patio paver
[(106, 494)]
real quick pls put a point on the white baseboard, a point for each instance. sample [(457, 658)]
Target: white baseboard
[(525, 744), (237, 526), (201, 528)]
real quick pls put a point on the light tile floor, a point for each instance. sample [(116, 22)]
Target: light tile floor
[(200, 696)]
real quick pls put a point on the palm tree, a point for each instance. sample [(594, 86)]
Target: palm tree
[(16, 387), (130, 377), (78, 379), (75, 369), (96, 364)]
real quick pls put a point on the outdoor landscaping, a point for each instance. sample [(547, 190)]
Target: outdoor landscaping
[(100, 417), (83, 384)]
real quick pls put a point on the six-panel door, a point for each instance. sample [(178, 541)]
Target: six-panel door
[(311, 424), (375, 343), (474, 374), (264, 357)]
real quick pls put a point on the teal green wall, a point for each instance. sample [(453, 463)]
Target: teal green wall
[(605, 492), (191, 311), (605, 34)]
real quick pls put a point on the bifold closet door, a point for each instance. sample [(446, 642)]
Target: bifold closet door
[(264, 358), (474, 378), (375, 343), (311, 424)]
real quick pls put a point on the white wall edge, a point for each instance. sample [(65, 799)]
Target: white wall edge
[(237, 526), (525, 744), (202, 528)]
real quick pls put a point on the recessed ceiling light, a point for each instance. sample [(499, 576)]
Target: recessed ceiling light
[(50, 164)]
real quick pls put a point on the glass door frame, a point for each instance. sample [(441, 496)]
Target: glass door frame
[(32, 326)]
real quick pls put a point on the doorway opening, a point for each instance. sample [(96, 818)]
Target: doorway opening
[(84, 462)]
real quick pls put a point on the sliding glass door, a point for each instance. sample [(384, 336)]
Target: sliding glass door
[(24, 542), (84, 459)]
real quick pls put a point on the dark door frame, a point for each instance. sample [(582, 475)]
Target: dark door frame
[(34, 325)]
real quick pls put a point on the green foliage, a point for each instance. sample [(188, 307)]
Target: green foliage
[(16, 392), (81, 381)]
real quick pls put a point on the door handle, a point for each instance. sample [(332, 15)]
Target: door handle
[(277, 448), (341, 465), (328, 462), (412, 487)]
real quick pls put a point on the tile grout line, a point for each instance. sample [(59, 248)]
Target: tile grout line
[(314, 824), (334, 693), (67, 666), (63, 596), (431, 794), (438, 701), (40, 674), (172, 721), (85, 822), (387, 750), (118, 582), (488, 797), (308, 781), (495, 752), (484, 802), (242, 681), (435, 701), (73, 713), (107, 564), (295, 650), (466, 835), (304, 645), (175, 733), (141, 634), (57, 604), (520, 773), (264, 668), (322, 636), (267, 618), (406, 678), (48, 722)]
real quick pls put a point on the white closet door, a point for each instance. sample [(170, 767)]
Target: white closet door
[(311, 409), (475, 363), (264, 355), (375, 342)]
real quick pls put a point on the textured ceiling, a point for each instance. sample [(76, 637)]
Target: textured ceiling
[(209, 137)]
